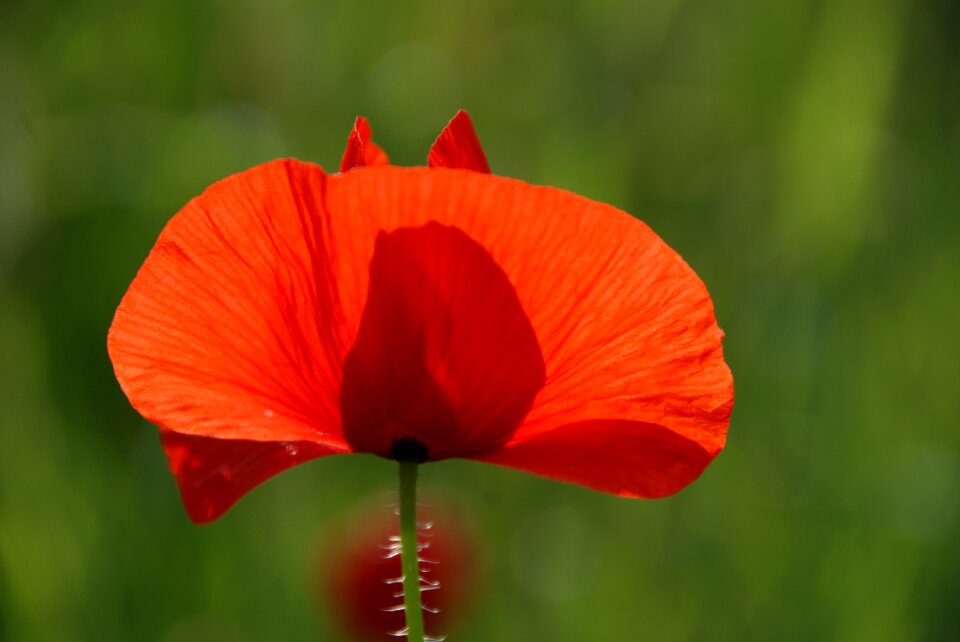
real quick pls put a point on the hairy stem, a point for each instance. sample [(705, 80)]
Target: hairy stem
[(409, 555)]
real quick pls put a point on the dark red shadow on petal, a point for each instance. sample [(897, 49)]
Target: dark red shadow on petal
[(623, 457), (213, 474), (458, 147), (445, 353)]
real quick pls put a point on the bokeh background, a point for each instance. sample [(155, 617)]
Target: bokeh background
[(802, 155)]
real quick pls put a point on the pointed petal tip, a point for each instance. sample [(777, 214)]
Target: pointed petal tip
[(457, 146), (361, 151)]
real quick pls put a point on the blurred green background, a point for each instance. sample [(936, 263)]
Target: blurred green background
[(803, 156)]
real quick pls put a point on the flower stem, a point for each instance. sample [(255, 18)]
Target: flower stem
[(409, 555)]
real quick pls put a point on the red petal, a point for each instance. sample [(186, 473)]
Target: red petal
[(625, 327), (444, 352), (361, 151), (213, 474), (457, 147), (627, 458), (230, 328)]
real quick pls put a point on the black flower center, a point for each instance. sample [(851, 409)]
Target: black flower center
[(409, 449)]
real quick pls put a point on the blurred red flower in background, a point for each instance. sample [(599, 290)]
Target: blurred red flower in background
[(357, 574), (419, 314)]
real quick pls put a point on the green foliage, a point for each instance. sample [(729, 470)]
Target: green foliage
[(802, 155)]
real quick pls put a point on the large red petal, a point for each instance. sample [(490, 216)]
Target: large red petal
[(213, 474), (458, 147), (626, 328), (361, 151), (230, 328)]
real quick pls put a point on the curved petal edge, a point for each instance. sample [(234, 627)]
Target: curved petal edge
[(650, 461), (213, 474)]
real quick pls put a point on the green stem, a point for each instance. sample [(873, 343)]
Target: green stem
[(409, 555)]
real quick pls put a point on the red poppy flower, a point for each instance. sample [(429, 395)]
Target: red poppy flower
[(419, 313)]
